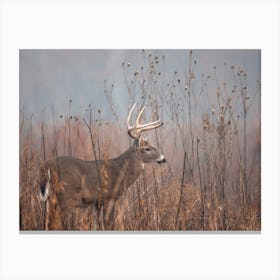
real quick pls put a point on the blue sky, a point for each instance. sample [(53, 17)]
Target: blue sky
[(52, 77)]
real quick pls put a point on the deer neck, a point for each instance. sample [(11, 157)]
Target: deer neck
[(128, 166), (131, 163)]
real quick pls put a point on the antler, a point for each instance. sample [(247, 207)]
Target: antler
[(139, 128)]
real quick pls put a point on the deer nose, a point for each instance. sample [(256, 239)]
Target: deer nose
[(161, 159)]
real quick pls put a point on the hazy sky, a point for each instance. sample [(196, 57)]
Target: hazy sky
[(52, 77)]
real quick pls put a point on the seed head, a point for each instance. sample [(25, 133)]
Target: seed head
[(192, 77)]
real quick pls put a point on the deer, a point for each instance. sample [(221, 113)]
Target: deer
[(67, 182)]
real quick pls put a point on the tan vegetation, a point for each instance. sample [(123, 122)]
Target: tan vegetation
[(212, 180)]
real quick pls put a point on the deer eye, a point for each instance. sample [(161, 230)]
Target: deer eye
[(148, 149)]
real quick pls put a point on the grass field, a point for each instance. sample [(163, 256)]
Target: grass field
[(211, 137)]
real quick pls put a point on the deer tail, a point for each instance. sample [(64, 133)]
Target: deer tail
[(44, 186)]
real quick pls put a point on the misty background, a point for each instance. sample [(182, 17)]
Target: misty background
[(75, 103), (50, 78)]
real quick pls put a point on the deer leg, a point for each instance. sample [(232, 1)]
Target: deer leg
[(95, 217), (118, 215), (100, 220), (109, 215)]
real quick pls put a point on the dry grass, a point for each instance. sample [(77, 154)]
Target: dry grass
[(215, 186)]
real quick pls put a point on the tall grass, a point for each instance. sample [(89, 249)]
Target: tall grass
[(212, 180)]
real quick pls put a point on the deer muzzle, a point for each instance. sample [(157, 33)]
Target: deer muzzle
[(161, 159)]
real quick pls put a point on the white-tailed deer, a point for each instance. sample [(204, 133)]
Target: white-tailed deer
[(70, 182)]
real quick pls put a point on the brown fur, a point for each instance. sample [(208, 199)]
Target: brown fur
[(74, 183)]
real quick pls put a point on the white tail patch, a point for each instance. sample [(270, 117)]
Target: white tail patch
[(44, 196), (161, 158)]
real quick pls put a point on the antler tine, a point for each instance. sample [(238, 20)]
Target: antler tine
[(138, 128), (153, 114), (150, 126), (129, 116), (137, 123), (130, 128), (145, 127)]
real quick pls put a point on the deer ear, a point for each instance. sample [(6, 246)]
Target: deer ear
[(143, 141), (145, 138)]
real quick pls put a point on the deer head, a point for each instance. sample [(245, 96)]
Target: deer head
[(146, 152)]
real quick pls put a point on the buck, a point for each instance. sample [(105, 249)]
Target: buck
[(72, 183)]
